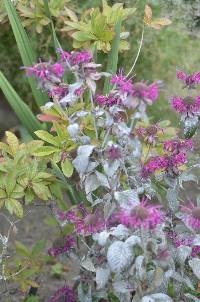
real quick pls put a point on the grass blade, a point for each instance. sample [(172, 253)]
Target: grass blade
[(48, 13), (25, 49), (113, 56), (22, 111)]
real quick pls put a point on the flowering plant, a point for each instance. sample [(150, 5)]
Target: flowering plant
[(133, 232)]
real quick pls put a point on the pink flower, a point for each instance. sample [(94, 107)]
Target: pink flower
[(189, 80), (64, 294), (57, 69), (145, 92), (187, 105), (167, 163), (124, 85), (80, 57), (191, 216), (85, 222), (58, 92), (176, 145), (64, 55), (141, 215), (178, 105), (61, 246), (149, 134), (108, 101), (113, 152)]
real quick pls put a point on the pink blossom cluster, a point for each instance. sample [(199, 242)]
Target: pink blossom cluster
[(62, 246), (191, 216), (148, 93), (167, 163), (64, 294), (188, 79), (123, 84), (149, 134), (113, 152), (185, 241), (176, 145), (142, 215), (124, 88), (45, 70), (108, 100), (85, 222), (188, 106), (75, 57)]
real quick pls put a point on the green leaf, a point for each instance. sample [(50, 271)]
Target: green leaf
[(67, 167), (25, 48), (82, 36), (45, 150), (22, 111), (41, 191), (14, 206), (47, 137), (113, 56), (10, 183), (29, 196), (38, 247), (54, 36), (21, 249)]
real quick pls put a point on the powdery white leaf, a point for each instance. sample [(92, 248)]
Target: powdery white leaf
[(121, 286), (103, 181), (187, 177), (133, 240), (172, 198), (183, 252), (140, 269), (101, 238), (73, 130), (119, 256), (195, 299), (91, 183), (196, 240), (195, 266), (120, 231), (102, 276), (159, 297), (125, 198), (111, 168), (82, 160), (88, 265)]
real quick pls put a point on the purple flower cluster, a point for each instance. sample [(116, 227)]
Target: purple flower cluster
[(149, 134), (75, 58), (85, 222), (108, 100), (124, 91), (189, 80), (123, 84), (185, 241), (142, 215), (62, 246), (64, 294), (176, 145), (169, 162), (148, 93), (188, 105), (191, 216)]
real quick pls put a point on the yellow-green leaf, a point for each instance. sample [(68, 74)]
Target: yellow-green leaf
[(45, 150), (67, 167), (13, 142), (14, 206), (47, 137)]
